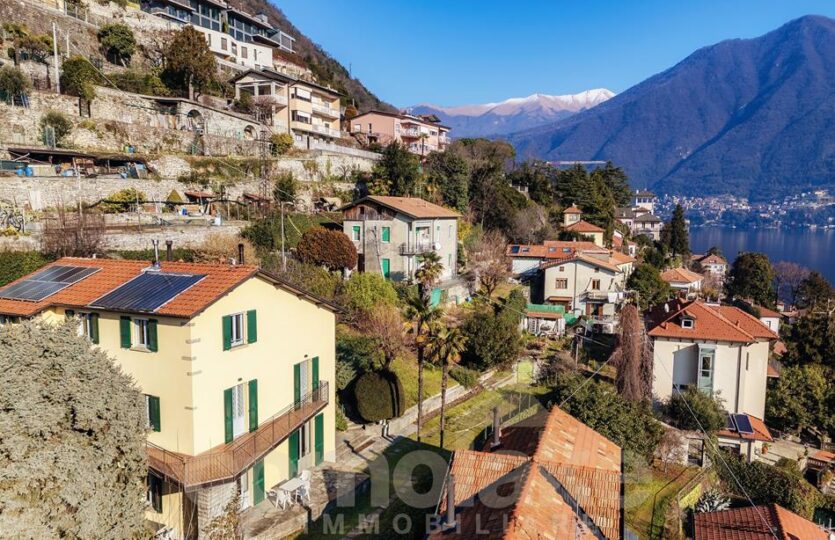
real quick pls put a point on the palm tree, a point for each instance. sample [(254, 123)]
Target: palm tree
[(421, 314), (429, 271), (445, 346)]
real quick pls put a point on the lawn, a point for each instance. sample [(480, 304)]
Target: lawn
[(407, 371), (467, 421), (648, 493), (393, 515)]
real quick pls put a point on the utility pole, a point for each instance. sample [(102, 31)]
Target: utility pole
[(55, 56), (283, 253)]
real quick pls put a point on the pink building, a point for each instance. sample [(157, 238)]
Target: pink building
[(420, 134)]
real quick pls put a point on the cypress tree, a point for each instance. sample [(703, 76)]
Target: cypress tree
[(679, 238)]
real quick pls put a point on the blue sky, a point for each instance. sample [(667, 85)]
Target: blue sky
[(455, 52)]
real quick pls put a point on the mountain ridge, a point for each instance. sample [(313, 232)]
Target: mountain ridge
[(513, 114), (750, 117)]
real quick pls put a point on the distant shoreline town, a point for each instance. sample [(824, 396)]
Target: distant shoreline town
[(810, 209)]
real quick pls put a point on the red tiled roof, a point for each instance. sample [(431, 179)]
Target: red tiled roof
[(572, 210), (552, 249), (681, 275), (762, 522), (712, 259), (823, 455), (411, 206), (219, 279), (621, 258), (765, 312), (200, 194), (761, 432), (584, 226), (582, 257), (563, 464), (716, 323)]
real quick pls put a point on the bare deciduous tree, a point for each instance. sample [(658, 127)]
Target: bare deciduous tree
[(789, 276), (632, 357), (671, 449), (488, 266), (73, 233), (531, 226), (385, 325)]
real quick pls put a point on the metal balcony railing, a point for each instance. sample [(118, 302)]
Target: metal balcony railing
[(227, 461), (416, 248), (411, 132), (325, 110)]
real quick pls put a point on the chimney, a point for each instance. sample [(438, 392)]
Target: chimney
[(450, 503), (168, 250), (497, 429), (156, 253), (241, 253)]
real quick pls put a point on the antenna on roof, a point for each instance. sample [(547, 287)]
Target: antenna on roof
[(156, 253)]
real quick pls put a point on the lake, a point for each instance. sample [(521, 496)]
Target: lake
[(812, 248)]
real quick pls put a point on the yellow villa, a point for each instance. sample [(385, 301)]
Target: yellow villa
[(236, 366)]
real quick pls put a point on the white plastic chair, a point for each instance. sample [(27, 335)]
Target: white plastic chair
[(282, 498), (303, 493), (305, 476)]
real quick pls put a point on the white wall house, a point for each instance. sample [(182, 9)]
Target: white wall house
[(721, 350)]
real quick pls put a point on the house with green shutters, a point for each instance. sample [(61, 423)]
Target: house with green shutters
[(236, 367)]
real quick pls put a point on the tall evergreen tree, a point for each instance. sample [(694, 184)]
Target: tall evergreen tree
[(814, 291), (449, 173), (679, 239), (189, 64), (397, 172), (616, 180)]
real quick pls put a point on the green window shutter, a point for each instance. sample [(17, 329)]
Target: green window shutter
[(227, 415), (69, 314), (297, 384), (253, 404), (227, 332), (319, 443), (258, 481), (251, 326), (124, 332), (315, 372), (293, 443), (94, 327), (153, 344), (153, 412), (356, 232), (386, 234), (386, 264)]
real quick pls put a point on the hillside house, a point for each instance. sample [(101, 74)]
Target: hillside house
[(237, 367), (239, 40), (391, 232), (309, 112), (713, 265), (419, 134), (572, 221), (548, 476), (721, 350), (683, 280), (640, 217)]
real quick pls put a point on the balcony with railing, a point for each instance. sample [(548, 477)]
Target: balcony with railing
[(325, 110), (412, 133), (228, 461), (416, 248), (326, 130)]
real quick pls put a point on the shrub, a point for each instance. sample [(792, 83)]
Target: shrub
[(468, 378), (379, 396), (60, 124), (345, 373), (708, 411), (341, 422), (284, 189), (362, 291), (13, 82), (78, 78), (328, 248), (140, 82), (122, 200), (767, 484), (358, 351), (117, 42), (281, 143), (16, 264)]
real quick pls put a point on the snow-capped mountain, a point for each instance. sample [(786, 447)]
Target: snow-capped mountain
[(514, 114)]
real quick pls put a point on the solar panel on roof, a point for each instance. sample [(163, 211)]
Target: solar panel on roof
[(47, 282), (743, 423), (147, 292), (514, 249)]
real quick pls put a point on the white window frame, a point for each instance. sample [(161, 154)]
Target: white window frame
[(356, 233), (140, 333), (85, 324), (238, 335), (687, 323), (147, 411)]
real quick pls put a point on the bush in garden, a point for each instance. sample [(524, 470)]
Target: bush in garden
[(122, 201), (281, 143), (324, 247), (693, 402), (468, 378), (379, 396), (60, 124)]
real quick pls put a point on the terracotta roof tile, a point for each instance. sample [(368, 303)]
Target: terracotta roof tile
[(823, 455), (551, 249), (583, 226), (712, 259), (761, 432), (681, 275), (411, 206), (583, 257), (561, 478), (219, 279), (716, 323), (756, 523), (572, 210)]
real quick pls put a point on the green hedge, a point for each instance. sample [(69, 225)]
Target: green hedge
[(468, 378), (379, 396), (16, 264)]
